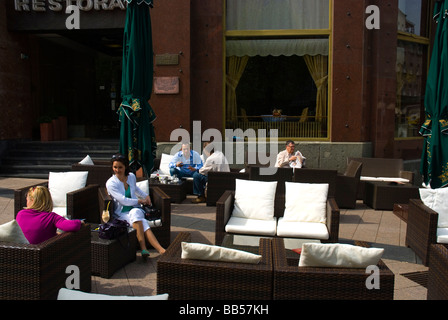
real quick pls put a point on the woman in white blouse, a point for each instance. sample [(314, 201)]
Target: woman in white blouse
[(128, 197)]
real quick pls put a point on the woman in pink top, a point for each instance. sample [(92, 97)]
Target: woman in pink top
[(38, 222)]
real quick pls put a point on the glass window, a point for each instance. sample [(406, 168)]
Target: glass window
[(277, 14), (278, 81), (410, 16), (410, 91), (411, 67)]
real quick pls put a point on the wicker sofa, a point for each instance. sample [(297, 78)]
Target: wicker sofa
[(323, 283), (379, 169), (438, 273), (185, 279), (421, 230), (347, 185), (37, 272), (225, 205)]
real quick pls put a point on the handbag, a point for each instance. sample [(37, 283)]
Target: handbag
[(151, 213), (113, 229)]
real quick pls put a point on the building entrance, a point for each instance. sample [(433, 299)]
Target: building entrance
[(79, 76)]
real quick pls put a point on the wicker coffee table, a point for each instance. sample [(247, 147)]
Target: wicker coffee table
[(175, 190), (382, 195), (110, 255)]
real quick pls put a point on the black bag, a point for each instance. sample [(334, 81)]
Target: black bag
[(151, 213), (113, 229)]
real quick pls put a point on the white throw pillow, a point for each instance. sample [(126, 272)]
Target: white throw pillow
[(442, 235), (87, 161), (437, 200), (61, 183), (11, 232), (66, 294), (338, 255), (305, 202), (144, 186), (164, 162), (254, 199), (199, 251)]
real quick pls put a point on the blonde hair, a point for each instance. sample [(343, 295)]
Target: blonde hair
[(42, 199)]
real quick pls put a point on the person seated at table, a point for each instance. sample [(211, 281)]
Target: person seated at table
[(38, 222), (128, 197), (215, 161), (288, 158), (185, 162)]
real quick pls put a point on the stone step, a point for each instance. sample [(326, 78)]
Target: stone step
[(34, 159)]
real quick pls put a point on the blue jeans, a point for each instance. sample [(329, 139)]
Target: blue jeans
[(180, 174), (199, 183)]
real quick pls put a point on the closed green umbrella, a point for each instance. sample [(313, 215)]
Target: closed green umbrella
[(434, 164), (137, 138)]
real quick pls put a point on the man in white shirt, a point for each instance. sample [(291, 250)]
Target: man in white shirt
[(288, 158), (215, 161)]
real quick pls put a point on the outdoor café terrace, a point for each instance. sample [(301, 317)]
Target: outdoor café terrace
[(380, 228)]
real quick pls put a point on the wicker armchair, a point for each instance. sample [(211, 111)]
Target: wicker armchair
[(421, 230), (98, 173), (185, 279), (438, 273), (37, 272), (81, 203), (347, 185), (380, 167), (294, 283)]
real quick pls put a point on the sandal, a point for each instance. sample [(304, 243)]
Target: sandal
[(145, 254)]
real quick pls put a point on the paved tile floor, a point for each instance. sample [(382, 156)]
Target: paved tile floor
[(381, 228)]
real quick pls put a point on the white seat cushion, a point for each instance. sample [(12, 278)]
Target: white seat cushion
[(66, 294), (297, 229), (385, 179), (254, 199), (442, 235), (252, 226)]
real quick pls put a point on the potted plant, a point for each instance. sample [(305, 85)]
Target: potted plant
[(46, 128)]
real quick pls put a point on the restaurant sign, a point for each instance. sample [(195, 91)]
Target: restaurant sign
[(51, 15)]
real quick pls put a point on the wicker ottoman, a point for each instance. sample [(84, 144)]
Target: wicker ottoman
[(381, 195), (110, 255), (185, 279)]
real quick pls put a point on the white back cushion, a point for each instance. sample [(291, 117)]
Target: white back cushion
[(338, 255), (164, 162), (437, 200), (254, 199), (11, 232), (60, 183), (305, 202), (199, 251)]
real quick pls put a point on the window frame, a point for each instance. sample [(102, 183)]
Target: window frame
[(283, 34)]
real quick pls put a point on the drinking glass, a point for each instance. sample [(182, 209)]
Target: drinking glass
[(105, 216)]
